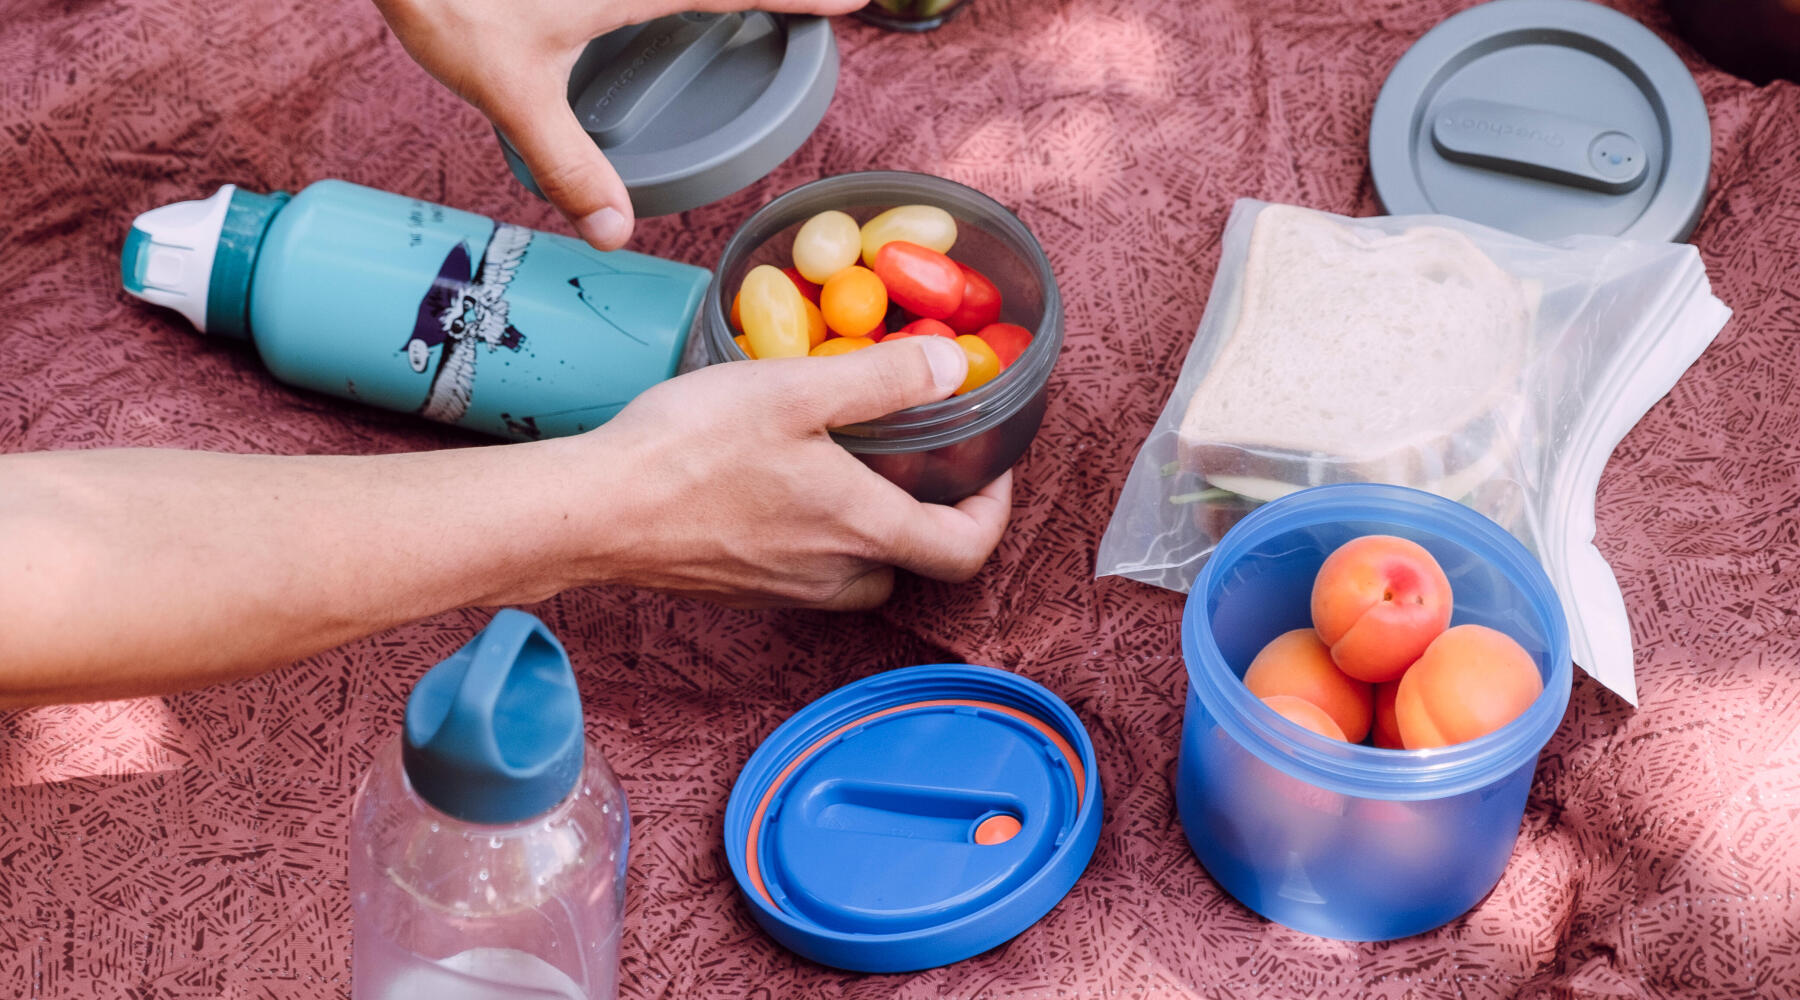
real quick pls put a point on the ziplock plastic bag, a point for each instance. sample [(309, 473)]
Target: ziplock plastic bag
[(1425, 351)]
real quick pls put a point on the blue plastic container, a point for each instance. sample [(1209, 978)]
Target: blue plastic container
[(1337, 839)]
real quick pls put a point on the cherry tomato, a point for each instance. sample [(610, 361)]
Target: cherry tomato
[(927, 225), (980, 303), (815, 326), (983, 363), (737, 309), (923, 328), (774, 314), (841, 345), (923, 281), (853, 301), (1008, 340), (743, 343), (826, 244), (807, 288)]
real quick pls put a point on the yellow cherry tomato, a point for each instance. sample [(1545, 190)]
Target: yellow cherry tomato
[(926, 225), (841, 345), (826, 244), (774, 314), (984, 364), (743, 343), (853, 301), (815, 324)]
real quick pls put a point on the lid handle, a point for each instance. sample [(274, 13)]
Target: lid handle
[(657, 64), (1533, 143)]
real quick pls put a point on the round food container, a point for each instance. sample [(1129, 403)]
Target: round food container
[(908, 15), (1338, 839), (943, 451)]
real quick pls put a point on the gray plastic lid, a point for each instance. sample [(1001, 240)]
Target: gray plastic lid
[(1545, 118), (693, 107)]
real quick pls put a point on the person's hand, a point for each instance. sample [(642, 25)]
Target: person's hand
[(723, 483), (511, 60)]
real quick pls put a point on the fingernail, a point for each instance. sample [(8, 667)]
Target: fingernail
[(949, 366), (605, 229)]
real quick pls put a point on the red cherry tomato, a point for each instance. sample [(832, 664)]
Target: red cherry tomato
[(980, 303), (920, 279), (1008, 340), (924, 328), (807, 288)]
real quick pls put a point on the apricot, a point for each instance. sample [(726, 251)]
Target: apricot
[(1378, 601), (1470, 681), (1386, 731), (1297, 663), (1304, 713)]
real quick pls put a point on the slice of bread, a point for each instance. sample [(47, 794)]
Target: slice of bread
[(1359, 356)]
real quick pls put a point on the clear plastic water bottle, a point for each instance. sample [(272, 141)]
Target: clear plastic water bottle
[(487, 846)]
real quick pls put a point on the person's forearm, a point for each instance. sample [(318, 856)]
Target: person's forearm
[(130, 572)]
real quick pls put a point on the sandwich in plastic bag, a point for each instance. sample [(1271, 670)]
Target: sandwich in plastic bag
[(1429, 352)]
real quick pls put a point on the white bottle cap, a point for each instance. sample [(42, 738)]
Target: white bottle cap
[(168, 257)]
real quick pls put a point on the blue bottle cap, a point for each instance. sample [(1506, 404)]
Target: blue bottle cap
[(494, 733), (914, 818)]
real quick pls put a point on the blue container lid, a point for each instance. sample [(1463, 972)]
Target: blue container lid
[(914, 818)]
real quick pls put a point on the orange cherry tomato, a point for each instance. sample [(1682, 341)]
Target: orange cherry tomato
[(737, 310), (980, 303), (841, 345), (1008, 340), (924, 328), (1471, 681), (923, 281), (983, 363), (743, 343), (815, 324), (854, 302)]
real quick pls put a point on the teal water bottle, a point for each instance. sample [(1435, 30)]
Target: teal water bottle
[(419, 308)]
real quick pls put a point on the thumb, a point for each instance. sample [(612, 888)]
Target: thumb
[(566, 164), (883, 379)]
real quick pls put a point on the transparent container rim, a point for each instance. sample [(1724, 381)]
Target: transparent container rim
[(1354, 769), (933, 424)]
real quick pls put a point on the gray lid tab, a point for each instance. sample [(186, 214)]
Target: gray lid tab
[(692, 107), (1545, 118)]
